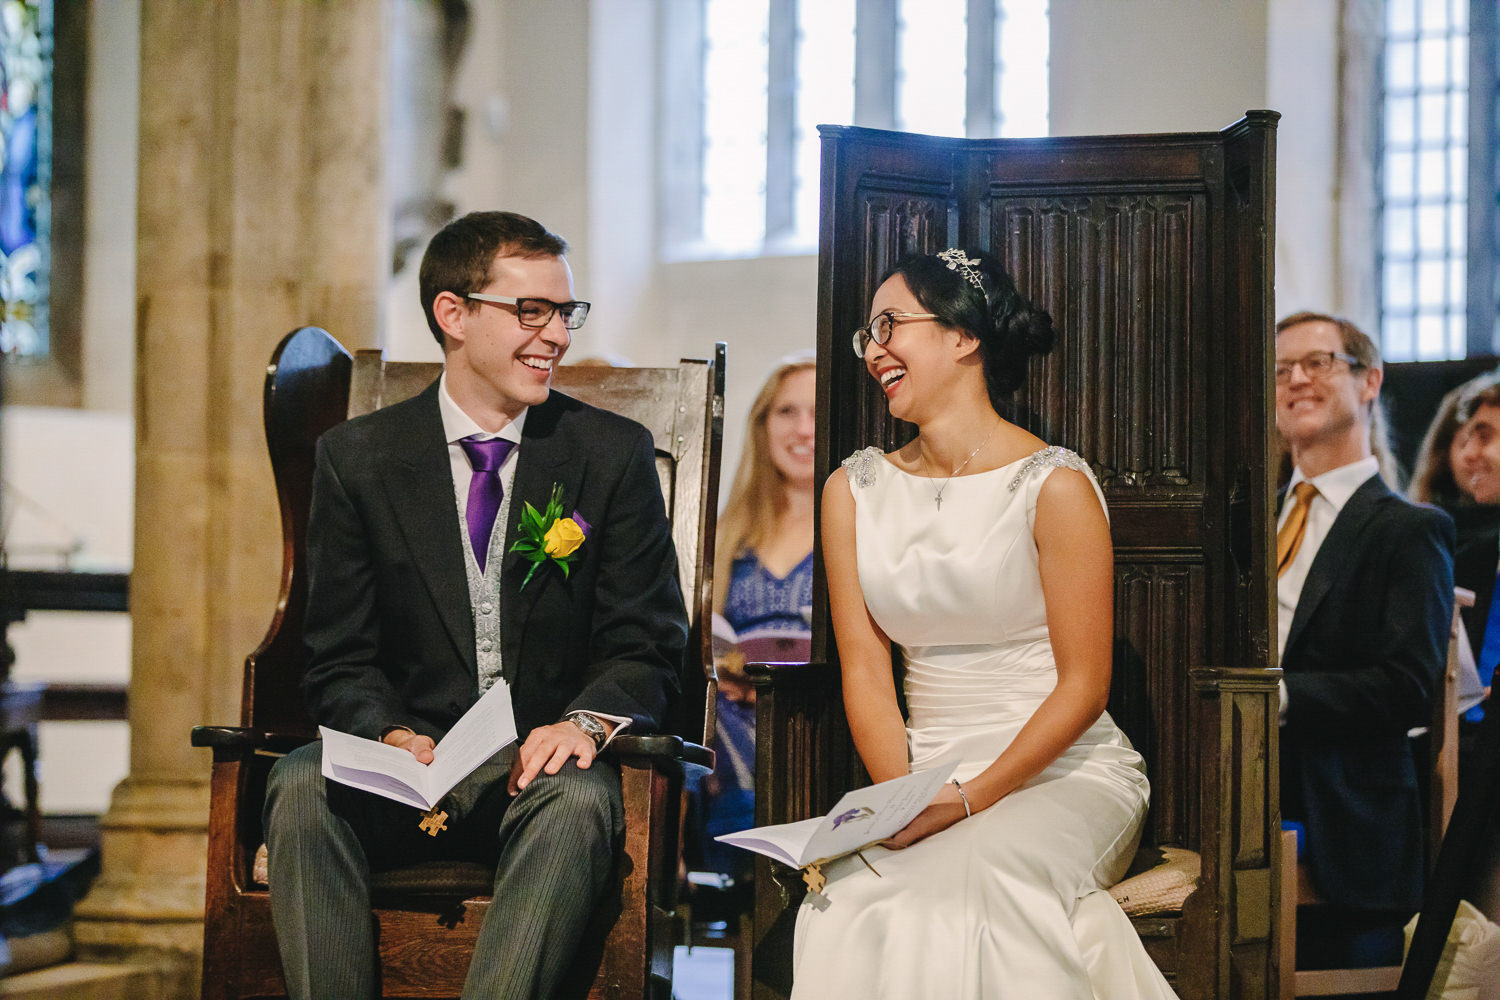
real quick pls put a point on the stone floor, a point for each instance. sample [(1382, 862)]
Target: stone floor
[(82, 981)]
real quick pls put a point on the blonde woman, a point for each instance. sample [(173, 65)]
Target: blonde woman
[(765, 535)]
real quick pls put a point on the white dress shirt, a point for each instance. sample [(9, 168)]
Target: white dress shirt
[(458, 425), (1335, 487)]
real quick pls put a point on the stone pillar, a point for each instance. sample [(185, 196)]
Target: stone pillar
[(260, 208)]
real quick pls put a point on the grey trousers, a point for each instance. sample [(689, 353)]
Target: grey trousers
[(554, 846)]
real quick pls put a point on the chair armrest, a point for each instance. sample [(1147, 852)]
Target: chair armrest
[(662, 751), (231, 743), (1234, 737), (771, 675), (1247, 679)]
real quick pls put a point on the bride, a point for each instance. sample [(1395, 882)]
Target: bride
[(985, 556)]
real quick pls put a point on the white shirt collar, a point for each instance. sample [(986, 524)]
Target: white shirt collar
[(1338, 485), (458, 425)]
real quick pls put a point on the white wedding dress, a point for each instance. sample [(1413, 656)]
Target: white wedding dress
[(1011, 902)]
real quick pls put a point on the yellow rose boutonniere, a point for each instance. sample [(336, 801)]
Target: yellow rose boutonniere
[(550, 536), (563, 538)]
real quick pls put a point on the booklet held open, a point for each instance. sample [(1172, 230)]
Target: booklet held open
[(861, 818), (393, 772)]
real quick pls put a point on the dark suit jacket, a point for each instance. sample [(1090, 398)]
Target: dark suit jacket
[(1362, 661), (390, 630)]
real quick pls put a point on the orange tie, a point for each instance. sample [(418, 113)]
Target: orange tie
[(1289, 538)]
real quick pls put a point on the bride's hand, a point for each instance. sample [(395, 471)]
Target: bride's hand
[(945, 810)]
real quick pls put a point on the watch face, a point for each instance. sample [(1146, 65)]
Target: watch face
[(592, 727)]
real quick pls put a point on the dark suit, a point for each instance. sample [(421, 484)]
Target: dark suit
[(391, 640), (1362, 661)]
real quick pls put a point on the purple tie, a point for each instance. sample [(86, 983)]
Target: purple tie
[(485, 490)]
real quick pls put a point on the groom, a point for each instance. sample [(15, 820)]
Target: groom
[(417, 606)]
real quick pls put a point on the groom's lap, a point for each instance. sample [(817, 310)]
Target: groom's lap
[(305, 807)]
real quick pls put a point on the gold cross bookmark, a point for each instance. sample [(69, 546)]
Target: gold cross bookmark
[(433, 822)]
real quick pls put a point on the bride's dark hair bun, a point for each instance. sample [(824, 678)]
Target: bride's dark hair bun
[(970, 291)]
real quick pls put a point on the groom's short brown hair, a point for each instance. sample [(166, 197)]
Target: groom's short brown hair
[(459, 258)]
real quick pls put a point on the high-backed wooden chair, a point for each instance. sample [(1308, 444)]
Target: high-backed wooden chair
[(1153, 255), (1441, 765), (427, 917)]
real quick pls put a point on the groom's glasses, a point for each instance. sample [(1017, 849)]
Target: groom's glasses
[(879, 329), (535, 313)]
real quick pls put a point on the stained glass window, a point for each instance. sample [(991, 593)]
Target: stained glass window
[(25, 173)]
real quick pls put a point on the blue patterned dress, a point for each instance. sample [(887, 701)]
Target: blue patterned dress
[(758, 603)]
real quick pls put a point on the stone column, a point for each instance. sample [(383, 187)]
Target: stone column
[(260, 208)]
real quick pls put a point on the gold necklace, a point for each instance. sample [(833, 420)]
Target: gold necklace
[(938, 490)]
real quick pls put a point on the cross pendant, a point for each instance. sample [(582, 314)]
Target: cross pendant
[(939, 500), (433, 822)]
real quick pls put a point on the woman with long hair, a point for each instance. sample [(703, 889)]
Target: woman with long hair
[(1440, 477), (767, 525), (984, 556), (1432, 478)]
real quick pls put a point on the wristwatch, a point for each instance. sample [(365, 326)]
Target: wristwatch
[(592, 727)]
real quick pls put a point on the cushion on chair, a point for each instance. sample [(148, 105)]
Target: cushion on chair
[(1161, 889), (1471, 956)]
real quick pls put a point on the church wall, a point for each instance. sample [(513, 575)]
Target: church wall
[(1303, 85), (69, 476), (1120, 66)]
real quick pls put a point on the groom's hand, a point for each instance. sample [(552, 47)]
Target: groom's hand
[(420, 746), (547, 748)]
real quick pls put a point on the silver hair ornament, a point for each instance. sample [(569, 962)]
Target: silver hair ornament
[(959, 261)]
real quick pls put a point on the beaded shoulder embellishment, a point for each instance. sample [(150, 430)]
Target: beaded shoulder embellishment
[(860, 467), (1053, 455)]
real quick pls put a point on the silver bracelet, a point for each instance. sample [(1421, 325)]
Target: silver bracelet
[(967, 811)]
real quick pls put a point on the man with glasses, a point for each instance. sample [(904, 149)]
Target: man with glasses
[(1365, 601), (417, 605)]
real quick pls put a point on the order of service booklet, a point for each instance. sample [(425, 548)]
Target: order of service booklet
[(393, 772), (862, 817), (758, 645)]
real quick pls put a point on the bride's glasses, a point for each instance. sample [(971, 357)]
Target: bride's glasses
[(879, 329)]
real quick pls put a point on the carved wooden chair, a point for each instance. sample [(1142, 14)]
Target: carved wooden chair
[(1153, 255), (427, 917), (1441, 746)]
